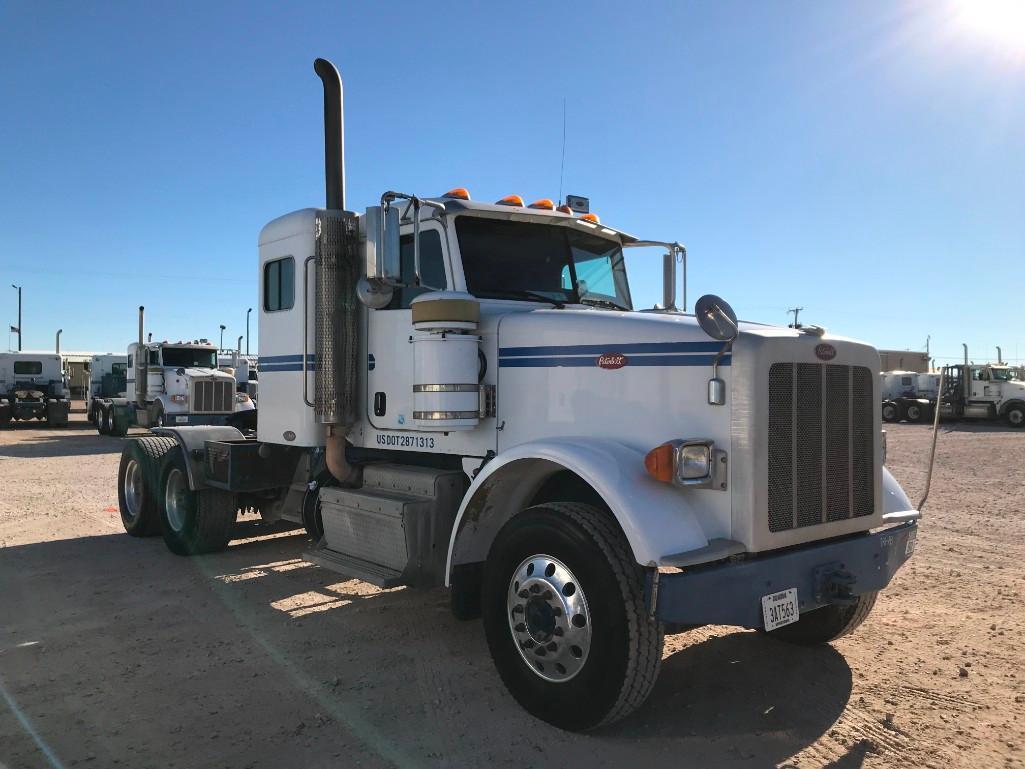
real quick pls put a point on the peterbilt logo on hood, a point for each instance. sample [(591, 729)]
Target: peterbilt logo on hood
[(825, 351), (612, 360)]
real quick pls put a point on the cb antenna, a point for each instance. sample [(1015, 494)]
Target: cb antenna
[(562, 163)]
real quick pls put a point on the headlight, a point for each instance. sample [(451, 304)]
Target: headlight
[(241, 398), (695, 463), (179, 398)]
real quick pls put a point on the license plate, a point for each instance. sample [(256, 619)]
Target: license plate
[(780, 609), (181, 420), (912, 541)]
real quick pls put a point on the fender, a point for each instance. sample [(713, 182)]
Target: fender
[(896, 505), (191, 440), (657, 518), (1006, 405)]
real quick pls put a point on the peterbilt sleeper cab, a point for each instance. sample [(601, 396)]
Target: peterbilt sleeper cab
[(464, 394)]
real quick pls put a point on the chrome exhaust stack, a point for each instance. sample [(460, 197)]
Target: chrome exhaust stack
[(336, 310), (141, 362)]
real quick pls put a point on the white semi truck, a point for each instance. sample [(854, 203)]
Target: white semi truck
[(461, 393), (908, 396), (171, 383), (988, 392), (34, 386)]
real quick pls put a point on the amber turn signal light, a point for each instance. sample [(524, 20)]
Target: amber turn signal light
[(659, 462)]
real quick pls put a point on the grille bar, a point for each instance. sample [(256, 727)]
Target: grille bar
[(821, 444)]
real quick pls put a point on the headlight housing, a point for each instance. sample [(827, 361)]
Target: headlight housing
[(694, 463), (179, 398), (241, 398)]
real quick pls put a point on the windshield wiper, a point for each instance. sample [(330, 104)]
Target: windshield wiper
[(603, 303), (520, 294)]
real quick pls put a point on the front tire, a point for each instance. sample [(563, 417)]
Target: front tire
[(193, 522), (565, 617), (826, 624), (1016, 416)]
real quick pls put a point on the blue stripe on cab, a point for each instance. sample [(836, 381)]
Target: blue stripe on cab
[(632, 348)]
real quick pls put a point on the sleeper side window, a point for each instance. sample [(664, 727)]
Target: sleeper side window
[(28, 367), (279, 284)]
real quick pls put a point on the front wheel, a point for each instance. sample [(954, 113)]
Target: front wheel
[(1016, 415), (826, 624), (565, 617)]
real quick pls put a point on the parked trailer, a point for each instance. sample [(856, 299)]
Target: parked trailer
[(33, 386), (461, 393), (175, 383)]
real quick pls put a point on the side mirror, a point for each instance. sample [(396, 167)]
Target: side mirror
[(717, 319), (382, 250)]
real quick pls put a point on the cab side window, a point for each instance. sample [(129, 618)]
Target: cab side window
[(279, 285), (432, 268)]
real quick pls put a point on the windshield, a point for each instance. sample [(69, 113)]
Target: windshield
[(508, 260), (190, 357), (1004, 374)]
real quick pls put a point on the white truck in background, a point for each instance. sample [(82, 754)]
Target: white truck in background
[(908, 396), (108, 379), (175, 383), (243, 368), (461, 393), (989, 392), (34, 386)]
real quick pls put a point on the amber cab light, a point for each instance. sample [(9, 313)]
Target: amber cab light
[(564, 210), (510, 200), (461, 193), (544, 203), (659, 462), (591, 218)]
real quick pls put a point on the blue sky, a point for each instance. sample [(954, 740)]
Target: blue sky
[(864, 160)]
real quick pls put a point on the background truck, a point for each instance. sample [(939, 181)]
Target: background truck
[(108, 380), (33, 386), (908, 396), (171, 383), (243, 368), (988, 391), (460, 393)]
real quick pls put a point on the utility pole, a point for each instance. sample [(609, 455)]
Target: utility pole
[(247, 329), (18, 328), (795, 311), (221, 345), (928, 337)]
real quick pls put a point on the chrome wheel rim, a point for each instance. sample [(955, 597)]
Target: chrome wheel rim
[(1017, 417), (133, 488), (175, 499), (548, 618)]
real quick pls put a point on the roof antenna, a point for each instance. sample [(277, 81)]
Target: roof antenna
[(562, 163)]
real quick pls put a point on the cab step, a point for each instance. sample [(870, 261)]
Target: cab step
[(350, 566)]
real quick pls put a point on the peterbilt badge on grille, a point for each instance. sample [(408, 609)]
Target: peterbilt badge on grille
[(612, 360), (825, 351)]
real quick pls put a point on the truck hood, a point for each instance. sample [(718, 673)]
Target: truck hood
[(205, 373)]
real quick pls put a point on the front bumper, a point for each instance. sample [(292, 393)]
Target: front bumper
[(178, 420), (825, 573)]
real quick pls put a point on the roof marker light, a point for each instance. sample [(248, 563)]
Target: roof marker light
[(564, 209), (510, 200), (591, 218), (460, 193), (545, 203)]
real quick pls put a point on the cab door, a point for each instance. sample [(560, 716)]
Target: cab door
[(390, 332)]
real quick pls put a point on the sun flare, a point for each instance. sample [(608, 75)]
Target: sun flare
[(996, 23)]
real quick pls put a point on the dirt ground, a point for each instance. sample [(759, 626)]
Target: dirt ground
[(116, 653)]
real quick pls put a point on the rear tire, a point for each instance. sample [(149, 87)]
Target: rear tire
[(565, 617), (137, 482), (890, 412), (193, 522), (826, 624), (914, 413)]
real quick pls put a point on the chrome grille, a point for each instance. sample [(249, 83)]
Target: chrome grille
[(821, 444), (210, 396)]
